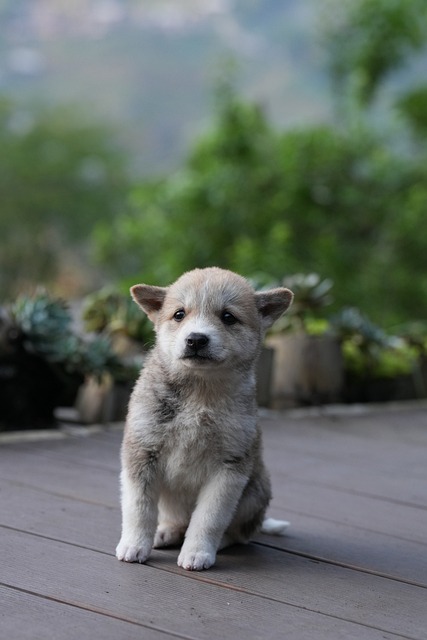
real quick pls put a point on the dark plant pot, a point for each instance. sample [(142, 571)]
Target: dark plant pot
[(369, 389), (117, 400), (70, 385), (30, 390), (265, 376)]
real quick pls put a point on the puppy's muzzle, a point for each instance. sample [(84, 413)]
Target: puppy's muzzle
[(196, 342), (198, 350)]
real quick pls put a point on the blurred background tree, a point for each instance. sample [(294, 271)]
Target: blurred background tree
[(345, 198), (223, 207), (338, 202), (59, 175), (367, 41)]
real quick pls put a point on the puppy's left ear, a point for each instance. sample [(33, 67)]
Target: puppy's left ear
[(149, 298), (272, 304)]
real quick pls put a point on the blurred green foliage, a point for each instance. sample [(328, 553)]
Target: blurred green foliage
[(59, 175), (209, 212), (367, 40), (340, 203), (370, 352), (342, 199), (413, 106)]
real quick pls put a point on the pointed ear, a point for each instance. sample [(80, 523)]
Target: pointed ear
[(272, 304), (149, 298)]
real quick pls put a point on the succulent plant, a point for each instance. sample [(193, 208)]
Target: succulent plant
[(310, 291), (311, 294), (112, 312), (351, 323), (46, 326), (367, 349)]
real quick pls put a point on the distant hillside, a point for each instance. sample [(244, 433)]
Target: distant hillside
[(149, 67)]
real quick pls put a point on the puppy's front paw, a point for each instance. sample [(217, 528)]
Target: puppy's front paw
[(132, 552), (196, 560)]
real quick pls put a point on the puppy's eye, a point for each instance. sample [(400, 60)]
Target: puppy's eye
[(179, 315), (228, 318)]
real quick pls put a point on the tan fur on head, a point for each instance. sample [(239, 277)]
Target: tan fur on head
[(213, 282)]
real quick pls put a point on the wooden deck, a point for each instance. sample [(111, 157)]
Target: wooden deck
[(354, 565)]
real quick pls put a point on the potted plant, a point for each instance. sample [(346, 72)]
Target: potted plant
[(378, 367), (415, 336), (308, 363), (112, 314), (43, 361)]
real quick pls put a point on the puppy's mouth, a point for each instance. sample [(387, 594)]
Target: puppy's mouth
[(199, 358)]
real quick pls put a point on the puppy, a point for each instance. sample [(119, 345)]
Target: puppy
[(192, 466)]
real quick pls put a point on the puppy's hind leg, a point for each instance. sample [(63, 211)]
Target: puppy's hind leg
[(173, 523), (168, 534), (242, 533), (250, 515)]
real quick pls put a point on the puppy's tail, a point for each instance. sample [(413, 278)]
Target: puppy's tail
[(273, 527)]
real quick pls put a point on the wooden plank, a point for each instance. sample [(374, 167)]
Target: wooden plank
[(388, 475), (346, 594), (359, 462), (25, 616), (367, 435), (327, 453), (61, 477), (379, 516), (343, 522), (98, 527), (407, 426), (354, 546), (94, 484), (320, 469), (378, 601), (66, 519), (99, 449), (217, 604), (409, 490)]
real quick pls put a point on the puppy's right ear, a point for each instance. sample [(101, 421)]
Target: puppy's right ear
[(149, 298)]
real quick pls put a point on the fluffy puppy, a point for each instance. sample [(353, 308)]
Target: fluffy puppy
[(192, 468)]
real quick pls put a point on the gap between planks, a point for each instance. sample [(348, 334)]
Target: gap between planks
[(343, 565), (92, 609), (208, 581), (201, 575)]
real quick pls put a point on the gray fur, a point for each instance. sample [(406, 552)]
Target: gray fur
[(192, 465)]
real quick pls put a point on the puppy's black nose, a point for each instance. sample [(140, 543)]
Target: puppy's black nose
[(196, 341)]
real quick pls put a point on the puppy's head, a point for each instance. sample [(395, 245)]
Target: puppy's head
[(210, 318)]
